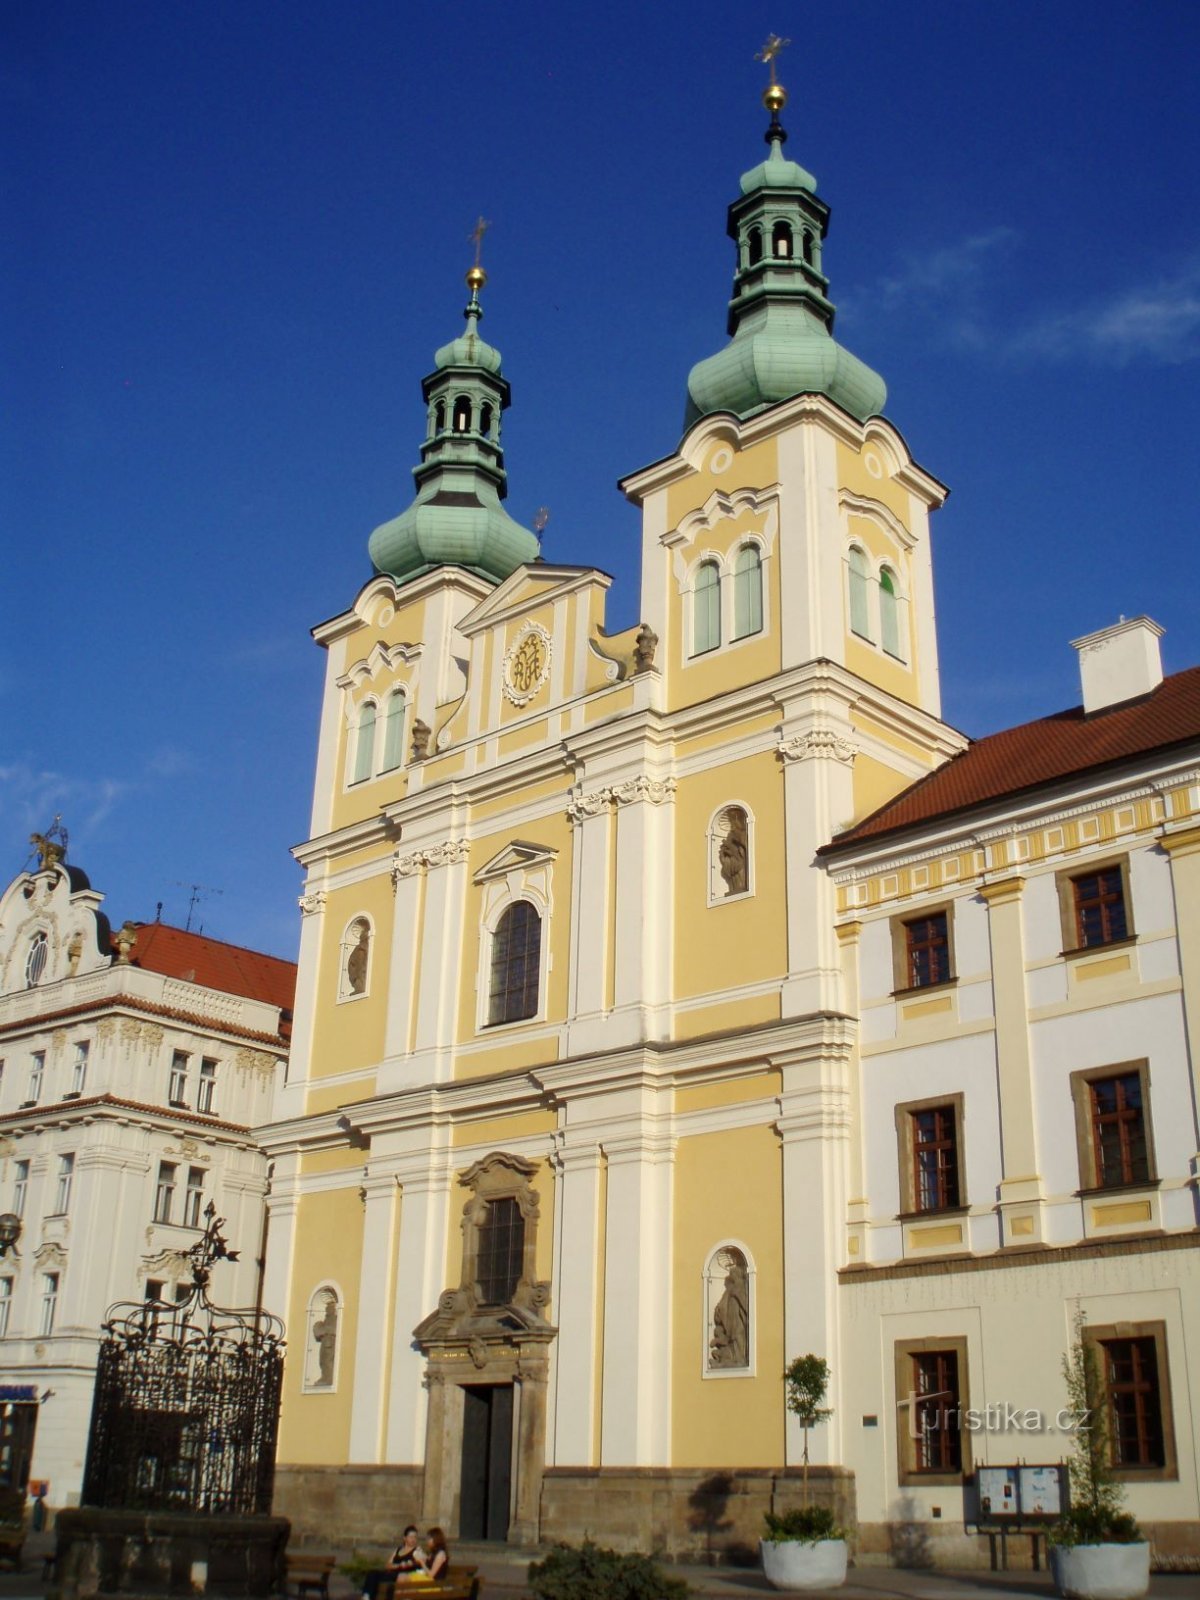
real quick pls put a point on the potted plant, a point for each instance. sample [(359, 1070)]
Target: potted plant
[(1097, 1551), (804, 1548)]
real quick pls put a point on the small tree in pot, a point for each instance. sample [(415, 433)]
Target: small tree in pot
[(1097, 1551), (805, 1549)]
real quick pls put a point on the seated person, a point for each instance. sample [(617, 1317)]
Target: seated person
[(405, 1558), (432, 1562)]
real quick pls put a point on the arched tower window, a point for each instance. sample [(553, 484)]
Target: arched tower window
[(706, 608), (806, 245), (889, 613), (485, 419), (747, 592), (516, 964), (364, 747), (462, 414), (860, 608), (393, 730), (781, 239), (439, 417), (755, 243), (35, 960)]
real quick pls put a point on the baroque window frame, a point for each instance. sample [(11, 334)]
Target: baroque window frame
[(521, 871)]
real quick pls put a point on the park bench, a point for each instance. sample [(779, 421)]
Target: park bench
[(460, 1583), (309, 1574)]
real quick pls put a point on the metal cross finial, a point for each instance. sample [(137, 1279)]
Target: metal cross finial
[(770, 50), (476, 236)]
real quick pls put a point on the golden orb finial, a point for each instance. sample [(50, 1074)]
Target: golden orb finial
[(774, 95), (476, 278), (774, 98)]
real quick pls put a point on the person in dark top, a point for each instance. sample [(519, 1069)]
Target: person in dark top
[(405, 1558)]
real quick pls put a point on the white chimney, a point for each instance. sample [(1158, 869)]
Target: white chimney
[(1119, 663)]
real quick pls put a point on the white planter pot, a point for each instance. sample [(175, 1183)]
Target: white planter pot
[(1101, 1571), (789, 1564)]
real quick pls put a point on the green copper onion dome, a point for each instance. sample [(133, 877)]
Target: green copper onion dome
[(456, 518), (780, 317)]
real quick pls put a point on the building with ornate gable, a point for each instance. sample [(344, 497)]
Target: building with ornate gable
[(134, 1068), (675, 1002)]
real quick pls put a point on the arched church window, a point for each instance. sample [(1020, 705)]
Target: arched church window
[(747, 592), (324, 1317), (439, 417), (35, 961), (729, 854), (364, 745), (485, 420), (781, 239), (729, 1312), (706, 608), (860, 605), (889, 613), (462, 414), (356, 958), (755, 243), (393, 730), (516, 964)]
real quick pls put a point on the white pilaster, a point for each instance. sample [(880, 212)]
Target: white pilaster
[(441, 951), (406, 947), (283, 1202), (367, 1418), (590, 910), (571, 1438), (818, 797), (420, 1278), (645, 820)]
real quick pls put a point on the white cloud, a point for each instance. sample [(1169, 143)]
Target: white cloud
[(1159, 323), (951, 271)]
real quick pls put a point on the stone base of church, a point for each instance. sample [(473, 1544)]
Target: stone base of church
[(698, 1514), (349, 1508)]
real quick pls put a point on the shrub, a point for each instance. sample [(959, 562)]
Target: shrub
[(593, 1573), (805, 1525)]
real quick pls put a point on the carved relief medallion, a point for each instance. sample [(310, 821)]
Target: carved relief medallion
[(526, 664)]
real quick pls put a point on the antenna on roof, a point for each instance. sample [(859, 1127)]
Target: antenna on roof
[(197, 891)]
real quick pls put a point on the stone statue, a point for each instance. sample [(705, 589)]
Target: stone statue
[(644, 647), (126, 937), (732, 856), (356, 961), (325, 1332), (74, 952), (50, 851), (421, 735), (729, 1345)]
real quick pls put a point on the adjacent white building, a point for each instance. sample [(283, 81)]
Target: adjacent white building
[(133, 1069)]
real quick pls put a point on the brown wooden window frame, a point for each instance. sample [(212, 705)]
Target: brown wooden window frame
[(908, 1147), (1102, 1340), (903, 948), (1087, 1130), (909, 1355), (1068, 882)]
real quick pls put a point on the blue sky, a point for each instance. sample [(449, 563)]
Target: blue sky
[(241, 232)]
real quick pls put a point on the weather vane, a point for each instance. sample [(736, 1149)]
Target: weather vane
[(477, 277)]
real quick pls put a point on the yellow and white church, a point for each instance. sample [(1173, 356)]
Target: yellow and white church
[(677, 1001)]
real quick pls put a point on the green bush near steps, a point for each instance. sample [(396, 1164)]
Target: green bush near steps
[(593, 1573)]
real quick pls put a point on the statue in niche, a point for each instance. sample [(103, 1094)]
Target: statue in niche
[(421, 734), (644, 647), (356, 961), (325, 1332), (729, 1344), (74, 952), (733, 853)]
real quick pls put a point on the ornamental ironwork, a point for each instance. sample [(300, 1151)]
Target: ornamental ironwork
[(186, 1406)]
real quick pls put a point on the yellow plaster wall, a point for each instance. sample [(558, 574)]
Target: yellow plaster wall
[(509, 1054), (335, 1095), (497, 1132), (853, 476), (740, 941), (730, 1016), (727, 1186), (874, 785), (728, 1091), (316, 1427), (348, 1034), (531, 733)]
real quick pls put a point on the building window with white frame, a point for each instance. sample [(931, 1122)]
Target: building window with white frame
[(164, 1191), (79, 1066), (393, 731), (364, 743), (6, 1299), (49, 1303), (706, 608), (62, 1197), (515, 965), (206, 1089), (35, 961), (747, 592), (860, 595), (37, 1076), (193, 1199), (20, 1187), (177, 1086), (889, 613)]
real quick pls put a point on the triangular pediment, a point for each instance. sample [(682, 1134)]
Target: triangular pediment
[(517, 854), (526, 588)]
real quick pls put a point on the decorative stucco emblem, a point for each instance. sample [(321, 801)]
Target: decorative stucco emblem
[(526, 664)]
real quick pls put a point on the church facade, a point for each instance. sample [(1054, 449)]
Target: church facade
[(613, 1084)]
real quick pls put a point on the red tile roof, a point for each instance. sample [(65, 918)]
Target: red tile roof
[(1035, 754), (195, 958)]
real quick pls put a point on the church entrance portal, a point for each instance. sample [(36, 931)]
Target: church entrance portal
[(486, 1488)]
